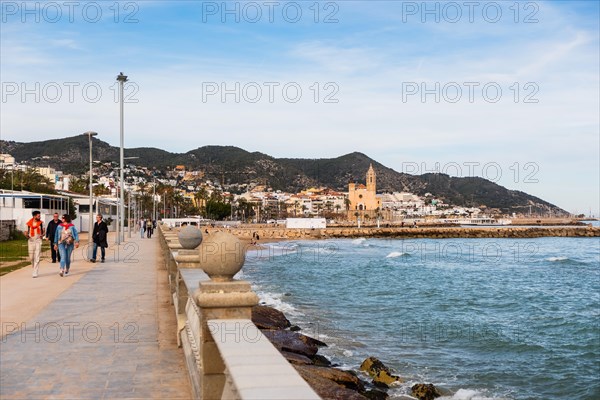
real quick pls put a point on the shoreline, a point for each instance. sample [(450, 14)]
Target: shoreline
[(275, 234), (331, 380)]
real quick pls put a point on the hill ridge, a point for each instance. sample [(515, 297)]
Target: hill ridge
[(237, 165)]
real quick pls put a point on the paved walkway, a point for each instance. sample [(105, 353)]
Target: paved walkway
[(107, 331)]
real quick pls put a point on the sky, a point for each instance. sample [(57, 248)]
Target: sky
[(505, 90)]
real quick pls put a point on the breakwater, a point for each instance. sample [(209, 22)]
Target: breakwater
[(270, 233)]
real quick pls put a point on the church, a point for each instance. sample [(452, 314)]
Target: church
[(363, 199)]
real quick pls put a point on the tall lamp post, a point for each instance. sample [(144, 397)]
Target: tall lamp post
[(89, 134), (128, 204), (154, 200), (121, 79)]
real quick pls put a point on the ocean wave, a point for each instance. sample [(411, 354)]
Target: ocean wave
[(274, 300), (469, 394), (395, 254), (359, 241), (554, 259)]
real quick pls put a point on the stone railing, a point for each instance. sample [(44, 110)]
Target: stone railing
[(227, 356)]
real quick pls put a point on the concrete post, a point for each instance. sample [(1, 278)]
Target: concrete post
[(221, 257)]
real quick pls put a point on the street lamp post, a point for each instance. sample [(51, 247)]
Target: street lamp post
[(129, 213), (89, 134), (154, 201), (121, 79)]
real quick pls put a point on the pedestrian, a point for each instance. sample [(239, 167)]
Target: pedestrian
[(66, 238), (142, 228), (99, 237), (149, 228), (35, 232), (50, 231)]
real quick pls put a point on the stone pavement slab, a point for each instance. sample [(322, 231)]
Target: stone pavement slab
[(112, 334)]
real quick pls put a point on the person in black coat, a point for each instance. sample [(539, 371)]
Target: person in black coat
[(50, 233), (99, 237)]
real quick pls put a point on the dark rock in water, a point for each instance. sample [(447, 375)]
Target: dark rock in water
[(425, 391), (375, 394), (297, 359), (380, 384), (293, 342), (380, 373), (295, 328), (344, 378), (311, 340), (321, 361), (327, 388), (269, 318)]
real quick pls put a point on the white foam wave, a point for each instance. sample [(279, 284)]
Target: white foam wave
[(288, 247), (348, 353), (395, 254), (469, 394), (274, 300), (552, 259), (359, 241)]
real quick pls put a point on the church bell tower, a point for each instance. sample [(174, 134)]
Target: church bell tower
[(371, 179)]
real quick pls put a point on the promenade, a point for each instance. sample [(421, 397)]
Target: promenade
[(107, 331)]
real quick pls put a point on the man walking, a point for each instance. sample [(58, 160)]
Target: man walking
[(35, 232), (99, 236), (50, 232)]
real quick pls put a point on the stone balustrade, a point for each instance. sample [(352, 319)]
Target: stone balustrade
[(227, 356)]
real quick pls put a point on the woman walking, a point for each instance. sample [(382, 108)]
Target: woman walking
[(66, 239)]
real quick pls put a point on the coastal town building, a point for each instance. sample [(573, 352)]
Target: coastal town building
[(364, 199), (7, 161)]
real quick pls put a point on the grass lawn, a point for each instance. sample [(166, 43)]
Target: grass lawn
[(14, 267), (15, 250)]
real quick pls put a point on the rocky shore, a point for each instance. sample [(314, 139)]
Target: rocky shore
[(325, 378)]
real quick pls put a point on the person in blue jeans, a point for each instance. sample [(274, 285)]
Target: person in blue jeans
[(66, 239)]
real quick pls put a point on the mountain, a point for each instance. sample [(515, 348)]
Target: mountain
[(234, 165)]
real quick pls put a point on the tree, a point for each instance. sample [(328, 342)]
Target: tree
[(100, 189), (29, 180), (201, 196), (77, 185), (217, 209)]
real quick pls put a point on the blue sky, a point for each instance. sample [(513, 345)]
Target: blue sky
[(388, 75)]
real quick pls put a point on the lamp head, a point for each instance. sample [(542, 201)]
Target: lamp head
[(122, 78), (90, 133)]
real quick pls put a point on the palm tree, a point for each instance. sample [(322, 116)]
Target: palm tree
[(201, 196), (296, 203), (357, 215), (177, 202), (347, 203)]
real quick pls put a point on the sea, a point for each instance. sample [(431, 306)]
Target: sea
[(479, 318)]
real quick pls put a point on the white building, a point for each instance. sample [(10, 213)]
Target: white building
[(18, 205), (7, 161)]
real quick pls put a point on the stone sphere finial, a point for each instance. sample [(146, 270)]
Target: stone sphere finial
[(221, 256), (189, 237)]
